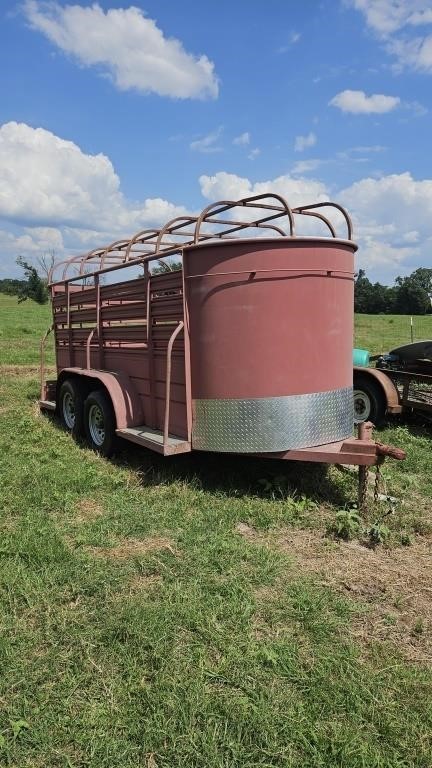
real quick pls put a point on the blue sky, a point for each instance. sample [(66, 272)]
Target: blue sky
[(114, 117)]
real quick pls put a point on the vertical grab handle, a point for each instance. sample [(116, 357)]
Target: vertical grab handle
[(172, 339), (88, 342), (42, 360)]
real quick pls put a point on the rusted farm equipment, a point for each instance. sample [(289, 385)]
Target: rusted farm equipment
[(247, 349), (400, 382)]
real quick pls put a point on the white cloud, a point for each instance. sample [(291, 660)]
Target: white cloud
[(411, 237), (127, 45), (422, 17), (416, 108), (244, 138), (303, 142), (254, 153), (391, 215), (32, 239), (397, 199), (52, 191), (229, 186), (384, 16), (305, 166), (29, 242), (47, 179), (54, 196), (293, 38), (224, 184), (367, 149), (207, 144), (376, 253), (415, 53), (388, 17), (358, 103)]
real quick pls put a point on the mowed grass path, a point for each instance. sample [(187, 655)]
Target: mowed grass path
[(158, 612)]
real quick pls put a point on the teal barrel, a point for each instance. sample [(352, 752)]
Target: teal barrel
[(361, 357)]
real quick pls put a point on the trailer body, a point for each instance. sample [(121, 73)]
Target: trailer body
[(401, 381), (246, 349)]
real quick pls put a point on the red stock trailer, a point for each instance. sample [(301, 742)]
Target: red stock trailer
[(246, 349)]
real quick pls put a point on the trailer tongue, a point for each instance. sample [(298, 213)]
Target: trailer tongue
[(247, 349)]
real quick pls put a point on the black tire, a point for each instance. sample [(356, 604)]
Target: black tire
[(71, 406), (100, 423), (369, 400)]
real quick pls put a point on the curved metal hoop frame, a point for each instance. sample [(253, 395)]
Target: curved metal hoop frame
[(275, 216)]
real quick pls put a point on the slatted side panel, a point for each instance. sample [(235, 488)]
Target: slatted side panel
[(124, 342), (166, 311)]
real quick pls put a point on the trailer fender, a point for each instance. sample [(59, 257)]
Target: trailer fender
[(388, 389), (124, 397)]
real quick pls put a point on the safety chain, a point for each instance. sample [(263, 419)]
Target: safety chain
[(363, 488), (363, 473), (377, 484)]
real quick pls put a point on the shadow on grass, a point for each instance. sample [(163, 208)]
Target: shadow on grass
[(418, 424), (228, 474)]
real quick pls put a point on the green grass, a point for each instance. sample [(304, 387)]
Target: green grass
[(21, 328), (199, 648), (381, 333)]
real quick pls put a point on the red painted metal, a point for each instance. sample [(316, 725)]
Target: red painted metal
[(269, 318), (388, 388), (261, 316), (124, 396), (172, 339)]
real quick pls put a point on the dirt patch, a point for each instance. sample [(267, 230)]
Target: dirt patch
[(141, 583), (396, 584), (87, 510), (245, 530), (134, 548)]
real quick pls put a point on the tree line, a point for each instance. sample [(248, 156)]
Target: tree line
[(408, 296)]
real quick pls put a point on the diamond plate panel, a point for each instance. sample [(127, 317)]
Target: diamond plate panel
[(273, 423)]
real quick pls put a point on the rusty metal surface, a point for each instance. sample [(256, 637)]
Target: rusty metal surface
[(414, 389), (352, 451), (389, 390)]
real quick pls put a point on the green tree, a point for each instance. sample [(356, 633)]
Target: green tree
[(11, 286), (371, 298), (422, 276), (33, 287), (411, 298), (166, 266)]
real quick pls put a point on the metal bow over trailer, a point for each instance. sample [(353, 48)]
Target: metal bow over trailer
[(247, 349)]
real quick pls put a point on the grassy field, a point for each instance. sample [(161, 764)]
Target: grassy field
[(381, 333), (192, 612), (21, 328)]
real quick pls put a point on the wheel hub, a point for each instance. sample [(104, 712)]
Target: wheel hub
[(96, 425), (362, 406), (69, 412)]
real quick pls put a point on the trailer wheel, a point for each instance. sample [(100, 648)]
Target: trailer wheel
[(100, 423), (71, 406), (369, 402)]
